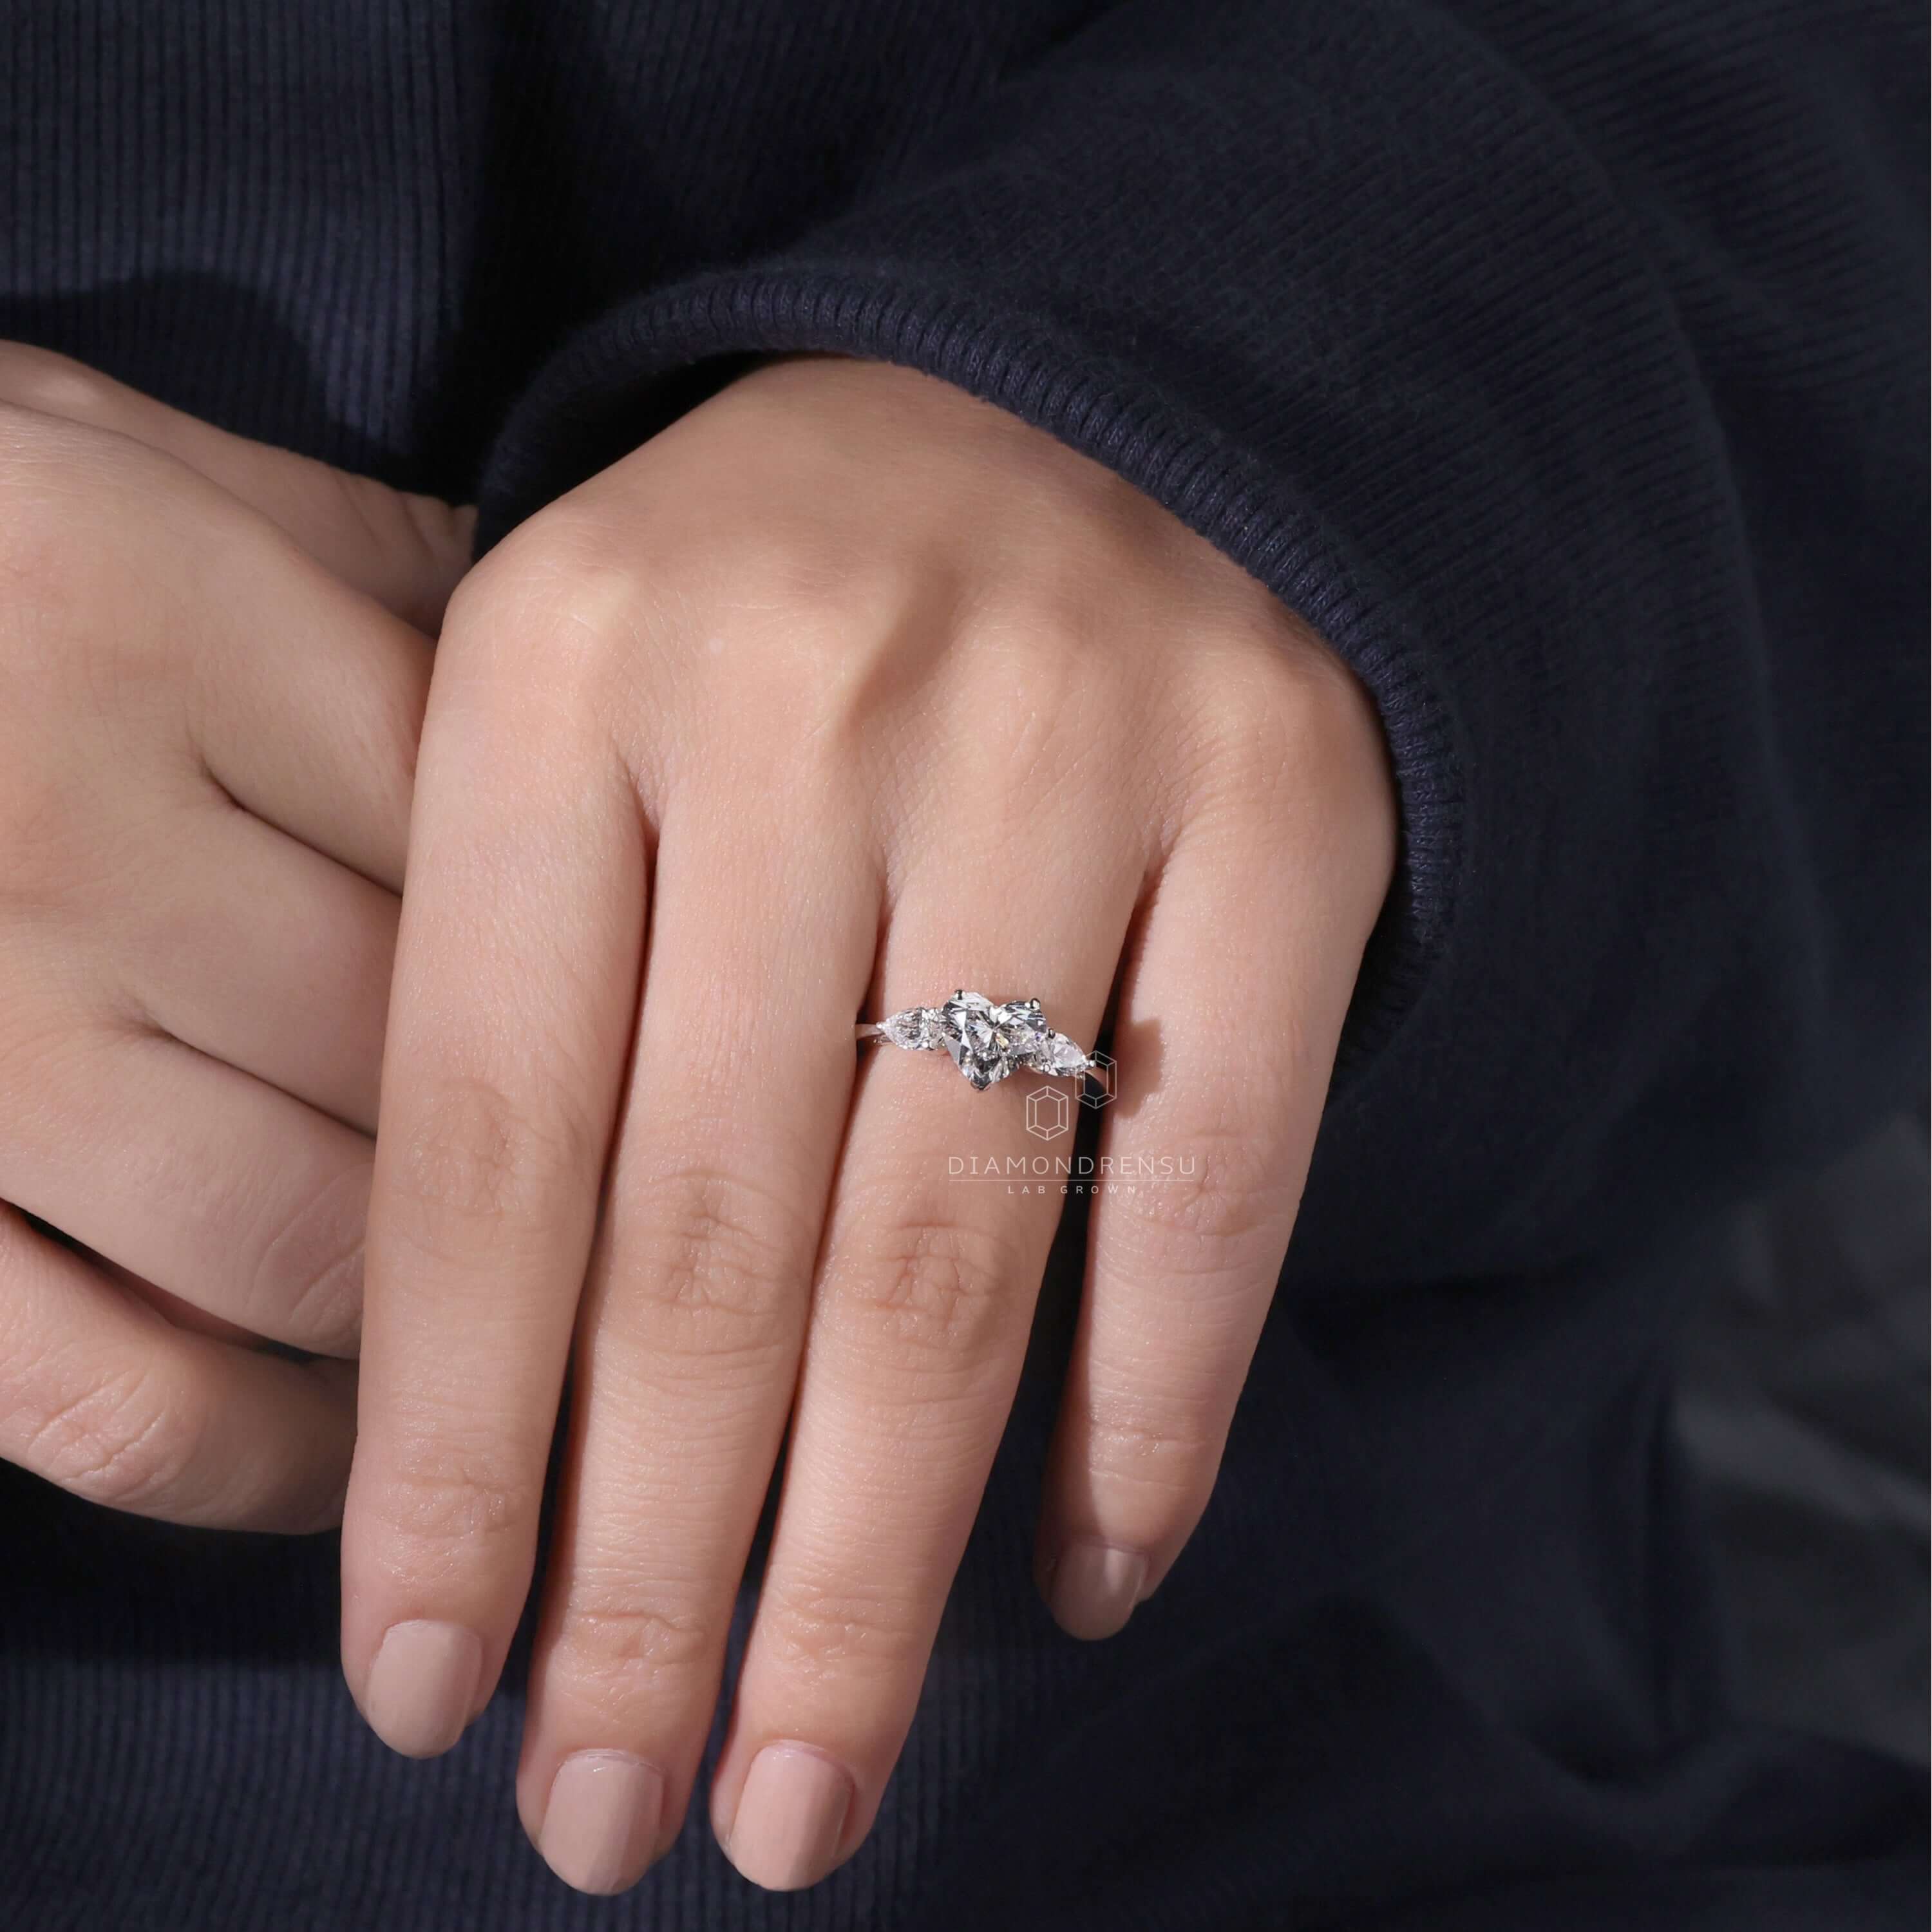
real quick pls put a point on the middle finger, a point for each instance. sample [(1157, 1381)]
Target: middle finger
[(688, 1338)]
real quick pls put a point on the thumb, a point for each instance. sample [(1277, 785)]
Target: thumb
[(406, 552)]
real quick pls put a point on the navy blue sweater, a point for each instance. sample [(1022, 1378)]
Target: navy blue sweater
[(1563, 361)]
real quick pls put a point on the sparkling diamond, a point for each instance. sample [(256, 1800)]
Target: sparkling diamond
[(1025, 1025), (1059, 1055), (988, 1043), (979, 1048), (921, 1028)]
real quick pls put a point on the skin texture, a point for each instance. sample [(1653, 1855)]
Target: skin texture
[(209, 713), (844, 691)]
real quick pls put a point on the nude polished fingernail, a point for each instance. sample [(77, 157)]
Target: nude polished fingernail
[(1094, 1587), (791, 1814), (601, 1827), (422, 1686)]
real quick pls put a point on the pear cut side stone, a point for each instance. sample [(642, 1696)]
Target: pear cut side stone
[(1059, 1055), (919, 1028)]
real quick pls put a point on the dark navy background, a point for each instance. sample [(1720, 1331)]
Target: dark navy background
[(1564, 363)]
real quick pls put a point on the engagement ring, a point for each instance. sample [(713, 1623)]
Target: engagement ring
[(987, 1043)]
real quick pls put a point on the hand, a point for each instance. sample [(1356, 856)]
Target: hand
[(872, 691), (206, 745)]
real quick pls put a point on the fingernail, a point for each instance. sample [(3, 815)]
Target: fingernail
[(1094, 1587), (790, 1814), (421, 1685), (602, 1826)]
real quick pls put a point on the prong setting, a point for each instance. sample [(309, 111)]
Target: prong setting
[(988, 1042)]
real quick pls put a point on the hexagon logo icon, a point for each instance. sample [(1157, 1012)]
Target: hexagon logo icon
[(1048, 1113), (1097, 1084)]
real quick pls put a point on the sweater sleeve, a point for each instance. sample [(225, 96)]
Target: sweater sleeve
[(1561, 361)]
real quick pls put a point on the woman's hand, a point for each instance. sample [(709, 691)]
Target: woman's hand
[(206, 747), (843, 692)]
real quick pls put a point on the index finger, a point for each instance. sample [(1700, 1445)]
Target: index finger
[(516, 966), (407, 552), (113, 1402)]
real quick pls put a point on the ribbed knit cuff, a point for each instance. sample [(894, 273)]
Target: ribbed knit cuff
[(628, 375)]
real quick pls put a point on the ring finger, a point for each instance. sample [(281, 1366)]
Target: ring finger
[(919, 1324)]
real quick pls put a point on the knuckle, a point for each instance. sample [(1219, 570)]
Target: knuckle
[(629, 1652), (1071, 708), (1250, 723), (936, 1289), (718, 1251), (127, 1440), (32, 378), (558, 569), (1163, 1440), (789, 650), (790, 573), (1218, 1200), (581, 590), (1051, 748), (475, 1157), (448, 1493), (551, 618), (1276, 723), (308, 1283), (813, 1629)]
